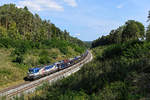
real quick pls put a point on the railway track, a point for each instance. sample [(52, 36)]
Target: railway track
[(28, 87)]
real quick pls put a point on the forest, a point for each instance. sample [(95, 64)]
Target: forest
[(27, 41), (131, 30), (20, 23), (120, 69)]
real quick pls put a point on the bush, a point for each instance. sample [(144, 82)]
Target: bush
[(112, 51), (44, 60), (19, 59)]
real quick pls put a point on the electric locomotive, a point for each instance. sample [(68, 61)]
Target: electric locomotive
[(38, 72)]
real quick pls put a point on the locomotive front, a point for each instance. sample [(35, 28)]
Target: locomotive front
[(33, 73)]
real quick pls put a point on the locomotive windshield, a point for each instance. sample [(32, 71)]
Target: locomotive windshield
[(34, 70)]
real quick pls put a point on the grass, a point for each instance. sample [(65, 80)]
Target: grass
[(12, 73), (122, 76)]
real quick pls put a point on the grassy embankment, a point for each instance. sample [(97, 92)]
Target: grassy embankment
[(15, 60), (118, 72)]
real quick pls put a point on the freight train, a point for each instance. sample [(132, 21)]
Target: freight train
[(38, 72)]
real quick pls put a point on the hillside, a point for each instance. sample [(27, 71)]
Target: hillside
[(20, 23), (120, 70), (131, 30), (27, 41), (123, 75), (88, 43)]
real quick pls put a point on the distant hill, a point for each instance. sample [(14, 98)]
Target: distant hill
[(20, 23), (88, 43)]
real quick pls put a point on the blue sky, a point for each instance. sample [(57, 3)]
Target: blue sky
[(87, 19)]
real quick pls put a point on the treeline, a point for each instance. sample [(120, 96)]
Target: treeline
[(20, 23), (23, 31), (132, 30), (23, 46)]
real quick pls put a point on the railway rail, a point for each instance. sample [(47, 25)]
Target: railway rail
[(28, 87)]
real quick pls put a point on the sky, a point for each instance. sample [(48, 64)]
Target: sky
[(87, 19)]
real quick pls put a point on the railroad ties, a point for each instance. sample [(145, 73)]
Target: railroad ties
[(29, 87)]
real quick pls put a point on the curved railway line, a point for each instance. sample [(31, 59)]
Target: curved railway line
[(28, 87)]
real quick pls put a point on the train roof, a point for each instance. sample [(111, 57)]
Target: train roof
[(34, 68)]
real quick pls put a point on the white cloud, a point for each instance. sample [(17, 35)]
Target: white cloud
[(120, 6), (41, 5), (71, 3), (78, 34)]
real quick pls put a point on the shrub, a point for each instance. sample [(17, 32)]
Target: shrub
[(19, 59), (44, 60)]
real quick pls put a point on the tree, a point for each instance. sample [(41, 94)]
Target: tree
[(118, 35), (25, 8), (12, 31), (142, 29), (148, 33), (66, 35), (21, 22), (148, 17), (131, 32), (140, 26), (148, 29), (3, 32), (113, 37)]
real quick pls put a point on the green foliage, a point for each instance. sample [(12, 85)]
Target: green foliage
[(142, 29), (132, 30), (44, 58), (114, 91), (148, 33), (5, 72), (21, 30), (88, 44), (117, 50), (19, 59), (132, 49), (21, 47), (112, 51), (13, 32), (3, 32), (115, 36), (73, 95), (29, 41), (121, 72), (20, 23)]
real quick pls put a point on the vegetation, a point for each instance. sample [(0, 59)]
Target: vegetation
[(132, 30), (27, 41), (122, 76), (148, 29), (20, 23), (120, 70), (88, 44)]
